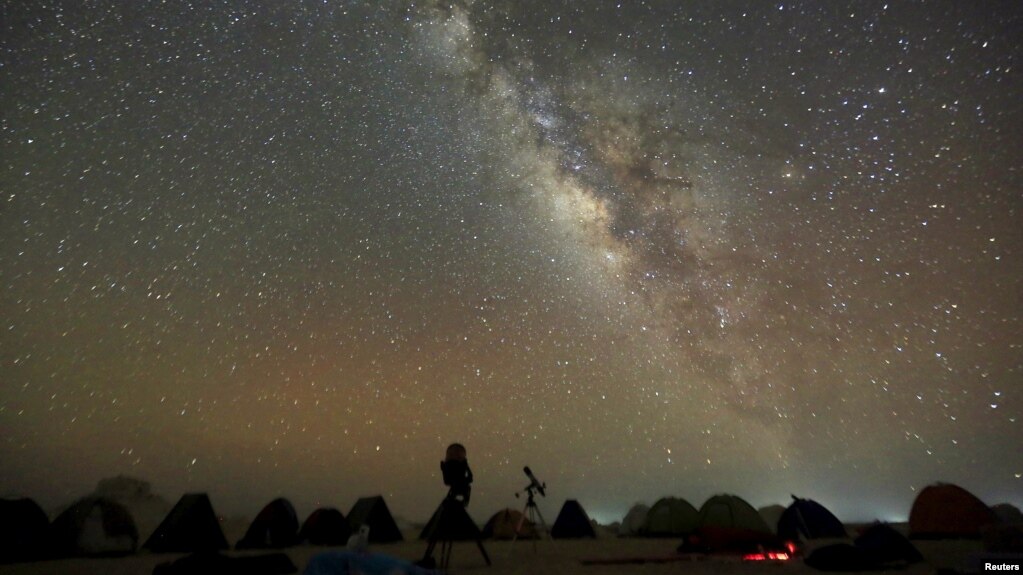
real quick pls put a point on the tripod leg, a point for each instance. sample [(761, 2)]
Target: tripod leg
[(435, 533), (532, 520), (445, 554), (518, 526), (486, 557), (429, 549), (542, 522)]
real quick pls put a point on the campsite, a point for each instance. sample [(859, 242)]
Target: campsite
[(949, 530), (741, 280)]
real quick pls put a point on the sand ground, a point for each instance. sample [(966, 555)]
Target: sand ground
[(548, 558)]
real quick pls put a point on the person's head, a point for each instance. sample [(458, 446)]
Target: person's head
[(455, 452)]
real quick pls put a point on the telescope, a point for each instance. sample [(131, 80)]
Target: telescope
[(531, 511), (534, 483)]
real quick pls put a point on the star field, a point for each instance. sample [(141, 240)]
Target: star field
[(645, 248)]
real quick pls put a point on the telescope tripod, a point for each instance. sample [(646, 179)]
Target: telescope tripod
[(532, 513), (451, 522)]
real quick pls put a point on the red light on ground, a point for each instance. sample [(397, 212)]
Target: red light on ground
[(791, 547), (768, 556)]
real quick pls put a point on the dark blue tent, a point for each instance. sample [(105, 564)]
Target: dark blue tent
[(887, 545), (879, 548), (572, 522), (840, 557), (373, 512), (806, 519), (325, 526), (191, 526), (23, 529)]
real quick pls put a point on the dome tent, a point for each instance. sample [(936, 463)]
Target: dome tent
[(879, 547), (276, 526), (190, 526), (634, 521), (887, 545), (731, 512), (502, 525), (1008, 514), (947, 511), (325, 526), (806, 519), (670, 517), (729, 524), (94, 526), (147, 509)]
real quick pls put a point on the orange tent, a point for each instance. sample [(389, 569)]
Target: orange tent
[(502, 525)]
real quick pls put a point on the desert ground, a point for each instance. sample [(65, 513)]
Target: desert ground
[(547, 557)]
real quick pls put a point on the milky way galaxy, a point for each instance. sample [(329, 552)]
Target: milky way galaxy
[(646, 248)]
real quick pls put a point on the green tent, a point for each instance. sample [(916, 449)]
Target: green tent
[(728, 524), (670, 517), (731, 512), (634, 522)]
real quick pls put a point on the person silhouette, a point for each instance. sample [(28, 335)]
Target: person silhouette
[(359, 541), (451, 521), (456, 472)]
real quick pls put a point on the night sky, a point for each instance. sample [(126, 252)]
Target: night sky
[(645, 248)]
